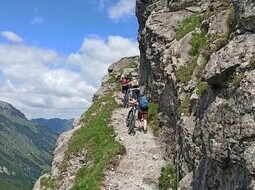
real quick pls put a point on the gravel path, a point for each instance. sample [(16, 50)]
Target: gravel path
[(140, 167)]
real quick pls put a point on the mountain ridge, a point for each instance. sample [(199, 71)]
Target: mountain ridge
[(26, 149), (57, 125)]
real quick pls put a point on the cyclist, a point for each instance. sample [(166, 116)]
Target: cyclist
[(134, 102), (142, 111), (124, 83), (134, 83)]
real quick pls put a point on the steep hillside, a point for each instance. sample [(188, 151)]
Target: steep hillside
[(84, 153), (197, 61), (25, 149), (55, 124)]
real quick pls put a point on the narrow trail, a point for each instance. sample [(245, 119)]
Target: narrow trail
[(140, 167)]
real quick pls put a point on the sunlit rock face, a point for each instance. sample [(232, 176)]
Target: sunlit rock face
[(207, 96)]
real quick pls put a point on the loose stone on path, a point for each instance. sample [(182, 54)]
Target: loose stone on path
[(140, 167)]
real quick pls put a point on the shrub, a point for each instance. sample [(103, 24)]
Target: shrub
[(184, 73), (153, 117), (168, 178), (231, 21), (187, 25), (251, 65), (202, 88), (196, 42)]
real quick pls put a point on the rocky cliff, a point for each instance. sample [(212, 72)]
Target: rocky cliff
[(197, 60)]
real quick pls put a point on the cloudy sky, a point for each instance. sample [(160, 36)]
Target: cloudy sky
[(54, 53)]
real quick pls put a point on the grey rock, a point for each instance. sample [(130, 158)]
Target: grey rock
[(213, 146), (245, 13), (224, 62)]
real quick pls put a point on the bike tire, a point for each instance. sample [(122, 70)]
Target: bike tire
[(125, 101), (128, 118), (131, 126)]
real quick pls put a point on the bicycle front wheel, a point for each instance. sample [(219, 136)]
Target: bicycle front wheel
[(132, 125), (125, 101)]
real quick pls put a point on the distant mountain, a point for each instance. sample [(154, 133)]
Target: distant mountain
[(56, 125), (25, 149)]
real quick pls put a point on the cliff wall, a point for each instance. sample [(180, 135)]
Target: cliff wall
[(197, 60)]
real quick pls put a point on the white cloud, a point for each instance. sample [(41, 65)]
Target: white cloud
[(121, 9), (41, 83), (96, 55), (37, 20), (11, 36), (34, 80)]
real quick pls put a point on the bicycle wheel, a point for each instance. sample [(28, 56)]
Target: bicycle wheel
[(129, 118), (132, 125), (125, 101)]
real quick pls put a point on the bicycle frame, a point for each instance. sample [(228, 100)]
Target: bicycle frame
[(126, 98)]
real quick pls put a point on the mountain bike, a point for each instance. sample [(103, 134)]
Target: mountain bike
[(126, 99), (131, 118)]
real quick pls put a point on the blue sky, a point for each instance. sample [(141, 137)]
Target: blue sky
[(53, 54)]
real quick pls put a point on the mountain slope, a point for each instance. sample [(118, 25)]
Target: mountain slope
[(25, 149), (55, 124)]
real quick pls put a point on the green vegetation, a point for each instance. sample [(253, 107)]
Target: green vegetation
[(97, 138), (187, 25), (202, 88), (153, 118), (231, 21), (111, 79), (251, 65), (237, 79), (184, 73), (168, 178), (46, 182), (25, 149), (196, 42)]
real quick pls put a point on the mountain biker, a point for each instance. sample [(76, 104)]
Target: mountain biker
[(134, 83), (142, 112), (124, 83)]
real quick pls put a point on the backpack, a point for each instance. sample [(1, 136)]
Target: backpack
[(143, 102)]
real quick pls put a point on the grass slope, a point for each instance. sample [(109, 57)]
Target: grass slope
[(98, 138)]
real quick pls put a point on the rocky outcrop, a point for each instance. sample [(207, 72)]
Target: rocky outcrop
[(127, 66), (200, 74)]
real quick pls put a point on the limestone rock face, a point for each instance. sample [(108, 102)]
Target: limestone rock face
[(207, 98), (246, 14), (237, 53)]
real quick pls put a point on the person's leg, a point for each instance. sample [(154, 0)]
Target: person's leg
[(122, 94), (145, 116), (140, 120), (125, 90)]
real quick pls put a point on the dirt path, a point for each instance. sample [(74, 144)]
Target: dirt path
[(140, 167)]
